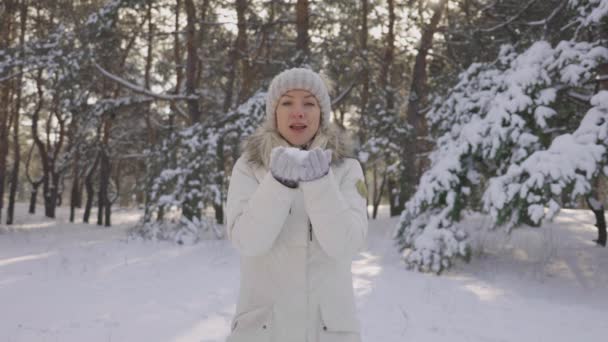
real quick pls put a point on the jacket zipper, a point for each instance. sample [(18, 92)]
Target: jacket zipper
[(307, 275), (310, 230)]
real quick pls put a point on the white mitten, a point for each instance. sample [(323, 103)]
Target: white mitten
[(315, 165), (285, 166)]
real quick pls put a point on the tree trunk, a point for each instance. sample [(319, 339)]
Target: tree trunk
[(388, 92), (16, 146), (90, 190), (219, 207), (190, 206), (365, 80), (365, 74), (73, 146), (302, 40), (238, 59), (108, 204), (242, 52), (103, 202), (6, 30), (191, 61), (33, 196), (600, 220), (150, 130), (16, 162), (393, 197), (378, 191), (389, 57), (412, 167), (55, 174), (54, 194), (34, 184), (42, 148), (75, 193)]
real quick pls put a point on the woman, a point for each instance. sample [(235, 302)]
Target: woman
[(297, 215)]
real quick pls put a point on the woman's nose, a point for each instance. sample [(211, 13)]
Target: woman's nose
[(298, 114)]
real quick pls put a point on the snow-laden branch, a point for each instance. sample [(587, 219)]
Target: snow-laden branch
[(493, 121), (139, 89), (570, 162)]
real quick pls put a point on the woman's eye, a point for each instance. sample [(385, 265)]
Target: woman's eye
[(286, 103), (309, 104)]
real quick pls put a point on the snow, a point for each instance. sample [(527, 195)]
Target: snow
[(592, 11), (496, 122), (570, 159), (295, 153), (77, 282)]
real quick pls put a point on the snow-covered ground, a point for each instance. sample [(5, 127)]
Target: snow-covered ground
[(76, 282)]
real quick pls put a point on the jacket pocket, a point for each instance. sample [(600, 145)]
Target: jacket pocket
[(252, 326), (338, 324)]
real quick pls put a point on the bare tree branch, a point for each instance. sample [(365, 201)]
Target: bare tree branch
[(139, 89), (510, 20)]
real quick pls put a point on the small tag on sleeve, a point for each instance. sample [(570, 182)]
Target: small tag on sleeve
[(361, 188)]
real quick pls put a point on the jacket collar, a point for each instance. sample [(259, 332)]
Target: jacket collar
[(257, 147)]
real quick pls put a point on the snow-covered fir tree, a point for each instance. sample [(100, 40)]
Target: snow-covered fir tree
[(517, 138), (193, 150)]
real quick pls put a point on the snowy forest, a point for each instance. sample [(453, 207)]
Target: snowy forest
[(485, 111)]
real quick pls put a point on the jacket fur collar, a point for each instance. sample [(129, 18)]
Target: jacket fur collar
[(257, 147)]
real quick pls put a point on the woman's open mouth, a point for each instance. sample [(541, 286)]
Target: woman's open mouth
[(298, 127)]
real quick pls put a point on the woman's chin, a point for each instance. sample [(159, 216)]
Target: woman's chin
[(298, 139), (297, 142)]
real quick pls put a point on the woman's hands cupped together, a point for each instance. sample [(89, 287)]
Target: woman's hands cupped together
[(290, 165)]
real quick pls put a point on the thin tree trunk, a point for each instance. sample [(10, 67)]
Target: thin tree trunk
[(411, 170), (90, 190), (365, 80), (34, 184), (237, 59), (389, 57), (600, 219), (378, 192), (117, 182), (74, 195), (151, 132), (269, 40), (365, 73), (302, 25), (6, 30), (242, 52), (191, 61), (235, 56), (108, 205), (386, 86), (202, 36), (14, 174), (42, 148), (56, 175), (190, 207), (16, 146), (103, 202)]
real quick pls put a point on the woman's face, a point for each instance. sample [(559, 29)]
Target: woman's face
[(298, 116)]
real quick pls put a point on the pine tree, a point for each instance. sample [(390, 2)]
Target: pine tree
[(500, 132)]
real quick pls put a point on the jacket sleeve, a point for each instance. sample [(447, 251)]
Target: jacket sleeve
[(337, 212), (256, 211)]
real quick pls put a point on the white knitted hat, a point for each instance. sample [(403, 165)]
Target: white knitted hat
[(298, 78)]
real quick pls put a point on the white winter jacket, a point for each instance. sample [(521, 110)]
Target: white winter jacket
[(296, 246)]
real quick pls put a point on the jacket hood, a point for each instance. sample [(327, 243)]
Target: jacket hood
[(257, 147)]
